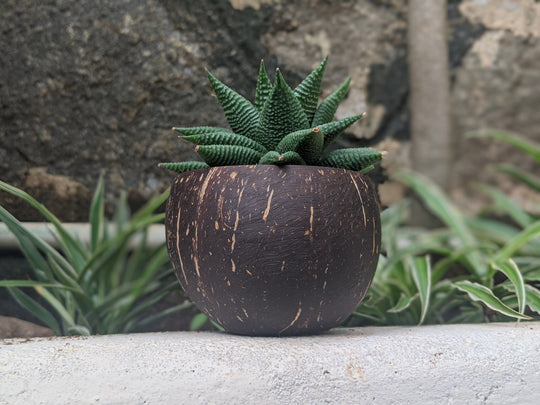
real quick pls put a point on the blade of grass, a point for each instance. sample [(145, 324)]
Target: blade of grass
[(533, 298)]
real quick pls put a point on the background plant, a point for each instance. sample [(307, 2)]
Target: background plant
[(109, 286), (477, 268)]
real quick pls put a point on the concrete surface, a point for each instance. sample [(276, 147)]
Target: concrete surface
[(493, 363)]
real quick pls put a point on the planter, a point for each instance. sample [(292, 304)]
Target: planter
[(270, 250)]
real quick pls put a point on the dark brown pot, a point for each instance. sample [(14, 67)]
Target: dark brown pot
[(268, 250)]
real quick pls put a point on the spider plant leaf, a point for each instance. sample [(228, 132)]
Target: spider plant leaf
[(481, 293), (526, 178), (531, 232), (436, 202), (533, 298), (240, 113), (198, 321), (421, 272), (328, 107), (309, 89), (519, 141), (282, 114), (97, 217), (511, 271), (27, 302)]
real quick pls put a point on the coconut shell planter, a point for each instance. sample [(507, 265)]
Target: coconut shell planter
[(270, 235)]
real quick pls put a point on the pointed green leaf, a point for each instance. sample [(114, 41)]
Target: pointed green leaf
[(404, 302), (533, 298), (481, 293), (513, 246), (197, 322), (529, 179), (308, 143), (225, 138), (97, 217), (281, 115), (181, 167), (334, 129), (505, 205), (264, 87), (436, 201), (328, 107), (240, 113), (200, 130), (276, 158), (228, 155), (36, 309), (352, 158), (511, 271), (421, 272), (519, 141), (309, 89)]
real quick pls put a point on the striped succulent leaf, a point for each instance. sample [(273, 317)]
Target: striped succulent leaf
[(264, 87), (334, 129), (240, 113), (287, 158), (328, 107), (309, 89), (181, 167), (306, 142), (228, 155), (283, 126), (282, 114), (225, 138), (352, 159)]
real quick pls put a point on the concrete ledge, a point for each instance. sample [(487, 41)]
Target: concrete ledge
[(490, 363)]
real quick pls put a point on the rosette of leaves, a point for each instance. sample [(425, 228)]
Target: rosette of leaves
[(283, 126)]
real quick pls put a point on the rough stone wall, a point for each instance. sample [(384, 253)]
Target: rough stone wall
[(93, 87)]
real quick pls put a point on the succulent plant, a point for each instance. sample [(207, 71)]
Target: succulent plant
[(283, 126)]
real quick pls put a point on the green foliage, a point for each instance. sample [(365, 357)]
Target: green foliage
[(109, 286), (283, 126), (477, 268)]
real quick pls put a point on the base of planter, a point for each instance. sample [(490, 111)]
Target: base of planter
[(493, 363)]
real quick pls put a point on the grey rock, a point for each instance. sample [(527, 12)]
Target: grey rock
[(17, 328)]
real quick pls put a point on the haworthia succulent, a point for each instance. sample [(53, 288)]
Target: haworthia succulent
[(333, 129), (328, 107), (281, 115), (182, 167), (200, 130), (309, 89), (264, 87), (281, 127), (287, 158), (352, 159), (242, 116), (225, 138), (227, 155), (308, 143)]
